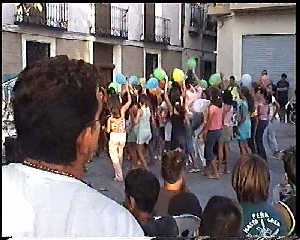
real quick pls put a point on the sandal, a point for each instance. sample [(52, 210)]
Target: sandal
[(213, 177)]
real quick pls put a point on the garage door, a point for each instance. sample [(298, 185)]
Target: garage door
[(275, 53)]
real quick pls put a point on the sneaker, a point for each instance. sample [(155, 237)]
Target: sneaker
[(194, 170)]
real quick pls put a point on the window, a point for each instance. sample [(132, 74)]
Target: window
[(36, 51), (207, 69), (151, 63)]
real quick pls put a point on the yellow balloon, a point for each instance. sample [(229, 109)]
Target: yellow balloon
[(142, 81), (178, 75)]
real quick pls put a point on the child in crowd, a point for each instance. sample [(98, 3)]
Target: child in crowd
[(244, 125), (263, 111), (131, 136), (223, 150), (172, 171), (117, 137), (251, 182), (144, 134), (221, 219), (212, 132)]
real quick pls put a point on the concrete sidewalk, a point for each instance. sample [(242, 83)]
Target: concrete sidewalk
[(100, 174)]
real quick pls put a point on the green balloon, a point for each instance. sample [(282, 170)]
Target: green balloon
[(191, 63), (159, 74), (114, 85), (215, 79), (203, 83)]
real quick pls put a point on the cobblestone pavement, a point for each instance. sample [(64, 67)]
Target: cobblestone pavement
[(100, 172)]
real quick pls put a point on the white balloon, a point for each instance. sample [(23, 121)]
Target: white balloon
[(246, 80), (200, 105)]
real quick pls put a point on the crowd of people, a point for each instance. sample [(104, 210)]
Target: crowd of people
[(142, 123), (62, 116)]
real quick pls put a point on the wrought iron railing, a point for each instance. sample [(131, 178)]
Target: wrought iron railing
[(162, 30), (45, 14), (197, 16), (118, 24)]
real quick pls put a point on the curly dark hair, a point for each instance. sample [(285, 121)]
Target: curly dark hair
[(54, 100)]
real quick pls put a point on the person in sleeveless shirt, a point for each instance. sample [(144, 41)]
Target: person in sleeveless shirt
[(117, 140), (144, 134), (263, 110)]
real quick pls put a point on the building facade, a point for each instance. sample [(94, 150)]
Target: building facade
[(200, 38), (256, 36), (117, 37)]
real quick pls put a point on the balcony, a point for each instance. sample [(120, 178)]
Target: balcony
[(260, 6), (197, 19), (219, 9), (110, 21), (53, 15), (161, 33)]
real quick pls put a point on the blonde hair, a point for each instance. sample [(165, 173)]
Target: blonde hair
[(251, 179)]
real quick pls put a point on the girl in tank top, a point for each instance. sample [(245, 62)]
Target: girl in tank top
[(117, 137)]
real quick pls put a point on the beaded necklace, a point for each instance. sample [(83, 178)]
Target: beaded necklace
[(44, 168)]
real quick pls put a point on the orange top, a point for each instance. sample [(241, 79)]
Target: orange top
[(215, 118)]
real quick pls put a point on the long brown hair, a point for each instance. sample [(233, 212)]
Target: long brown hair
[(251, 179)]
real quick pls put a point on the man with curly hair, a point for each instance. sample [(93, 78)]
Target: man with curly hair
[(56, 112)]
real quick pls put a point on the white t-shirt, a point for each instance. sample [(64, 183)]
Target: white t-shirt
[(42, 204), (272, 107)]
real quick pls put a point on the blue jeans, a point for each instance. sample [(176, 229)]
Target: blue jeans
[(261, 126), (212, 139)]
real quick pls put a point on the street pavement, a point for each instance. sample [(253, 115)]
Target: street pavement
[(100, 172)]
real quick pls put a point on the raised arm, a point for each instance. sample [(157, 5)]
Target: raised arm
[(138, 117), (108, 125), (167, 98), (127, 105)]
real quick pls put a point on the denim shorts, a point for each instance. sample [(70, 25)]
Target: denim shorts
[(212, 139)]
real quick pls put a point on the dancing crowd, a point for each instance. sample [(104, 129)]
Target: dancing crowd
[(63, 118), (142, 122)]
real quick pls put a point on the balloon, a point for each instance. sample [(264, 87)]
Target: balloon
[(120, 78), (246, 80), (200, 105), (235, 94), (151, 83), (114, 85), (178, 75), (142, 81), (133, 80), (191, 63), (215, 79), (159, 73), (203, 83)]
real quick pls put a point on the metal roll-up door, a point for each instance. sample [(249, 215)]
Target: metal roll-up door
[(275, 53)]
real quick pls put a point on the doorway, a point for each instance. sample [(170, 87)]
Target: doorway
[(151, 64)]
